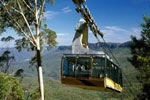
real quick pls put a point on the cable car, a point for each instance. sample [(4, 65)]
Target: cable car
[(94, 72), (86, 68)]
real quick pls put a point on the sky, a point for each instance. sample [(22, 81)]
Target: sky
[(117, 19)]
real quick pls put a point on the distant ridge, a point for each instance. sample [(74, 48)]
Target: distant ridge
[(25, 55), (98, 45)]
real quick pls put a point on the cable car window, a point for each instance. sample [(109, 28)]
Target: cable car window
[(65, 67), (69, 66), (108, 68), (83, 67), (98, 67), (116, 74), (112, 71)]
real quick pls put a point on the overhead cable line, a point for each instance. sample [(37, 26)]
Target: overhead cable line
[(119, 67)]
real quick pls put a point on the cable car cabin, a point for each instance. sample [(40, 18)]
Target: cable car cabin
[(94, 72)]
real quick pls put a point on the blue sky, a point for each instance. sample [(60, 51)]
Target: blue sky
[(118, 19)]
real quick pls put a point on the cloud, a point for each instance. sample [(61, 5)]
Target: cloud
[(136, 30), (51, 14), (62, 34), (64, 38), (111, 34), (66, 9), (115, 28), (105, 31), (117, 34)]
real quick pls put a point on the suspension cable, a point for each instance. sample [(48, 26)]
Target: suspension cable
[(128, 81), (102, 46), (111, 52)]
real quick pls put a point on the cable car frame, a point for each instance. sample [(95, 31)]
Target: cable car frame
[(94, 72)]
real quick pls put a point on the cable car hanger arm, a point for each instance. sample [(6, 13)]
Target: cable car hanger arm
[(85, 13)]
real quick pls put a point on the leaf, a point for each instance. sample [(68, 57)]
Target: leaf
[(51, 1), (19, 73)]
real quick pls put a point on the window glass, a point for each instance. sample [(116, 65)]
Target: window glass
[(69, 66), (116, 74), (65, 67), (82, 69), (112, 69), (108, 68), (98, 67)]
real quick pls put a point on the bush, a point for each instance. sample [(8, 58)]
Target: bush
[(10, 88)]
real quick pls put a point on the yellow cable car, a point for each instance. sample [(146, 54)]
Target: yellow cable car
[(94, 72), (87, 68)]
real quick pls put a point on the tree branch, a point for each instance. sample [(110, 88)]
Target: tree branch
[(28, 5), (37, 24), (16, 10), (36, 17), (30, 30), (41, 11), (17, 24)]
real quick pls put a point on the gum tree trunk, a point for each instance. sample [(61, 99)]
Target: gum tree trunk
[(39, 58), (40, 73)]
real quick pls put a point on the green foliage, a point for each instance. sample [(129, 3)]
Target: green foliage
[(35, 95), (10, 88), (7, 39), (25, 17), (6, 58), (24, 44), (140, 50), (140, 59), (18, 73), (20, 15), (9, 16), (48, 37), (51, 1), (145, 93)]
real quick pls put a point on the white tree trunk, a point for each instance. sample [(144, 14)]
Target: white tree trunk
[(39, 58), (40, 73), (41, 82)]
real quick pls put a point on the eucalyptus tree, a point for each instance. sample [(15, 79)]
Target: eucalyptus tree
[(6, 58), (140, 50), (26, 17)]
